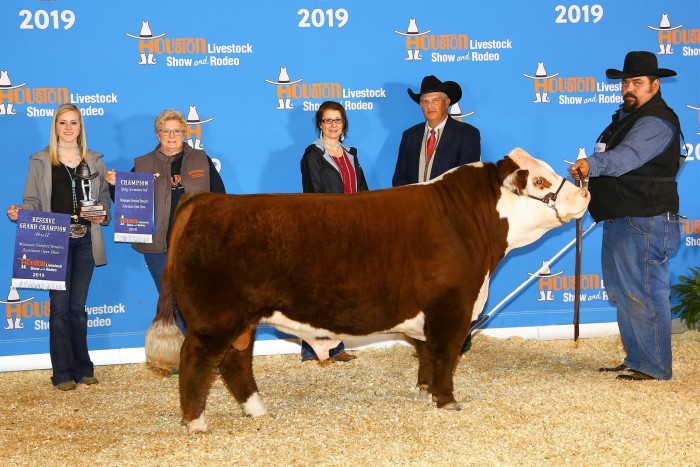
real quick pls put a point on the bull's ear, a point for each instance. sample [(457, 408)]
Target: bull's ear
[(511, 175)]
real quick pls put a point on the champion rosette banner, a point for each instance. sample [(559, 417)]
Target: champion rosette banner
[(41, 250), (133, 207)]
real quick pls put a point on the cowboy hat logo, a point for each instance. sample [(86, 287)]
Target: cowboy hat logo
[(456, 112), (283, 93), (664, 42), (698, 109), (147, 56), (194, 131), (540, 74), (13, 298), (411, 32), (6, 84)]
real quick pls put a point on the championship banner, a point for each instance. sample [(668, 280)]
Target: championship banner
[(41, 250), (133, 207)]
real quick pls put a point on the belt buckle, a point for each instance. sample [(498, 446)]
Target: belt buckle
[(77, 230)]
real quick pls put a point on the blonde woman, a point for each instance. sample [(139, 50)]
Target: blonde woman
[(51, 187)]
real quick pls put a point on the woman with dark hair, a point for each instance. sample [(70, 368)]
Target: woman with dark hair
[(329, 166), (51, 187)]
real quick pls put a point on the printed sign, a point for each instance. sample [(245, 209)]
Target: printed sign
[(41, 250), (133, 207)]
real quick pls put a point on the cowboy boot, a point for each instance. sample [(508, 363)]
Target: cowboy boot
[(18, 323), (10, 110), (152, 59), (550, 297), (288, 104), (416, 55), (198, 144), (538, 98), (281, 104), (545, 97), (143, 60), (542, 297), (10, 324), (669, 50)]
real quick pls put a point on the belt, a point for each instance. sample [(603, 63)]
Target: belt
[(669, 216)]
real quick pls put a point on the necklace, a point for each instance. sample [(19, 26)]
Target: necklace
[(69, 161), (72, 186), (336, 145), (68, 147)]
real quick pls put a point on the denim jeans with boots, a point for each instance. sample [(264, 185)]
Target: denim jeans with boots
[(635, 268)]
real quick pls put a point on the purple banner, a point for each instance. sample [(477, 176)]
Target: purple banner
[(133, 207), (41, 250)]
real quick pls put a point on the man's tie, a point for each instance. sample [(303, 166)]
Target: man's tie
[(430, 148)]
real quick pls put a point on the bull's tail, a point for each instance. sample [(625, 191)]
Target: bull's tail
[(164, 338)]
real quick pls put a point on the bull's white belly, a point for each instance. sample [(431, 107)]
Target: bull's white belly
[(411, 327)]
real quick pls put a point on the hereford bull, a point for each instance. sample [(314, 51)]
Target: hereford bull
[(415, 259)]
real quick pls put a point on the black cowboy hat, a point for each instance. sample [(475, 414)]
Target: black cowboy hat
[(432, 84), (639, 64)]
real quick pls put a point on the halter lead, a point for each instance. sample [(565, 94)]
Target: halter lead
[(550, 200)]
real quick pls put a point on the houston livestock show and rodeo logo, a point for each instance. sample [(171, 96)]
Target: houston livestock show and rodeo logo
[(450, 47), (186, 51), (571, 90), (292, 91), (41, 101)]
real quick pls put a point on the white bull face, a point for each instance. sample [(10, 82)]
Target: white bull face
[(545, 200)]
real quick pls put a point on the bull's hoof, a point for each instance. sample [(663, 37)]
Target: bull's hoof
[(197, 425), (451, 406), (254, 406), (424, 393)]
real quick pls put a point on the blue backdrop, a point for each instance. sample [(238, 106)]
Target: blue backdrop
[(249, 76)]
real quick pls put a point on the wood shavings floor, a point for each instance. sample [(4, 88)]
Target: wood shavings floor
[(525, 402)]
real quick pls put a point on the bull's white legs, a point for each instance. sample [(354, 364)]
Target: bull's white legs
[(197, 425), (254, 406)]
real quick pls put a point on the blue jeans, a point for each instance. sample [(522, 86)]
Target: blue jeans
[(156, 263), (308, 352), (635, 270), (68, 348)]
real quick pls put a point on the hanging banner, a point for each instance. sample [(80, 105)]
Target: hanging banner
[(41, 250), (133, 207)]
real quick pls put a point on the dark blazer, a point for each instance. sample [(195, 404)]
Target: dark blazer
[(459, 144), (320, 176)]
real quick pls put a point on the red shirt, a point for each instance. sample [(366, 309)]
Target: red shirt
[(347, 172)]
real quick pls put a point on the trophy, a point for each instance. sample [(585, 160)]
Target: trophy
[(89, 207)]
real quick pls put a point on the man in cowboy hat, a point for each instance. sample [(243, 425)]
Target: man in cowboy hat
[(441, 143), (633, 189)]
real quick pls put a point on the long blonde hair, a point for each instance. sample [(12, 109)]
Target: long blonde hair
[(53, 138)]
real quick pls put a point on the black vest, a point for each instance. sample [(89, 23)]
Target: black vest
[(647, 191)]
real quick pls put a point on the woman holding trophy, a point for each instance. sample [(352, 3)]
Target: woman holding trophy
[(64, 178)]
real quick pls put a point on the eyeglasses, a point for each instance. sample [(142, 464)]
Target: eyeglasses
[(434, 101), (328, 121), (166, 132)]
